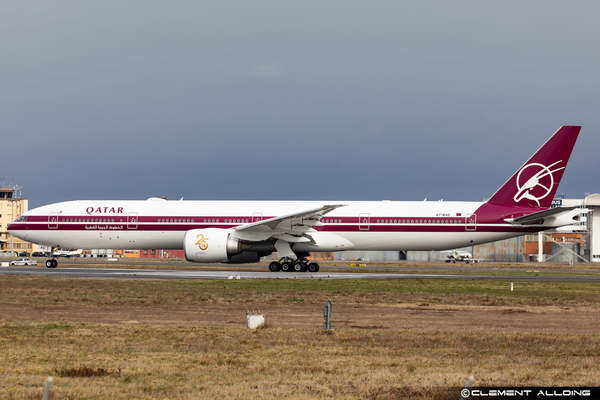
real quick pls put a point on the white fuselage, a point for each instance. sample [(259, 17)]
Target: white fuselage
[(358, 225)]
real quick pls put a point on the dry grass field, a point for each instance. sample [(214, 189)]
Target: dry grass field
[(150, 339), (332, 266)]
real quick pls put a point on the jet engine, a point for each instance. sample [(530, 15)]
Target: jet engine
[(219, 245)]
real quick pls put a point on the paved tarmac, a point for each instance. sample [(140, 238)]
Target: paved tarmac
[(212, 275)]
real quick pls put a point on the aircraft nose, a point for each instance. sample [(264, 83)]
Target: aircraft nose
[(14, 228)]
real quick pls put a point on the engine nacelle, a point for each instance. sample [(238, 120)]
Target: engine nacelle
[(219, 245), (210, 245)]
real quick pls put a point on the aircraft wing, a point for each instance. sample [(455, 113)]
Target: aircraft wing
[(290, 227), (551, 213)]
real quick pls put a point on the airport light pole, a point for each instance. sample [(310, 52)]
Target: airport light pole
[(17, 189), (540, 247), (12, 218)]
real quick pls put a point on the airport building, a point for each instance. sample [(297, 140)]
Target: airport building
[(162, 254), (12, 205)]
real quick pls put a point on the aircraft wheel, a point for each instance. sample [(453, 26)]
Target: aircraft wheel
[(49, 264), (313, 267), (286, 266), (298, 266), (274, 266)]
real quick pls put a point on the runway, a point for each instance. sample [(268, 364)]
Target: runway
[(224, 275)]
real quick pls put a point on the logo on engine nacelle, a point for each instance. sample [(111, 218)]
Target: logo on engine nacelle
[(202, 242)]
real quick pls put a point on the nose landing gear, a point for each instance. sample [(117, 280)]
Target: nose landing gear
[(52, 263)]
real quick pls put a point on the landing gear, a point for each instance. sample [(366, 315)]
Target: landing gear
[(274, 266), (313, 267), (300, 266), (287, 264), (51, 263)]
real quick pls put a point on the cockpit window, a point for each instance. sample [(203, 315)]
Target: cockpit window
[(22, 218)]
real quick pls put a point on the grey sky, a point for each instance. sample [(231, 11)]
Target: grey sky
[(281, 100)]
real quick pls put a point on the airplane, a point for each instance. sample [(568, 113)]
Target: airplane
[(461, 256), (246, 231), (66, 253)]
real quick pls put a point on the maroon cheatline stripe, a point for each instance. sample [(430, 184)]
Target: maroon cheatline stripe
[(141, 219), (425, 228), (226, 219), (327, 228)]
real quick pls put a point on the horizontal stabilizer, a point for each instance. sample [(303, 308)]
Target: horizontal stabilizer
[(538, 218)]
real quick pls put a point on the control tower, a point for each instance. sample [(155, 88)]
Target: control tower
[(12, 205)]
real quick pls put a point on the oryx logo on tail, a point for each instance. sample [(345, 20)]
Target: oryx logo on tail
[(535, 181)]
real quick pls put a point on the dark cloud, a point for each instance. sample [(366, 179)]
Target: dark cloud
[(267, 100)]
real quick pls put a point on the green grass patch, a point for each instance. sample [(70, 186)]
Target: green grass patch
[(19, 290)]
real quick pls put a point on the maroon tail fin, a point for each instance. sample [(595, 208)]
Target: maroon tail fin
[(535, 183)]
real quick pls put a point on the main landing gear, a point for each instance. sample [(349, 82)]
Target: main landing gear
[(287, 264)]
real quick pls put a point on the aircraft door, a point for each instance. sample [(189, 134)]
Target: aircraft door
[(364, 220), (132, 221), (53, 221), (471, 222)]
